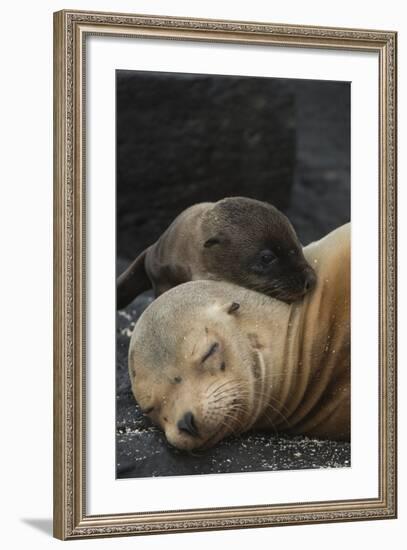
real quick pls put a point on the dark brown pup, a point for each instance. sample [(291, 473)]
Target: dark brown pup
[(237, 239)]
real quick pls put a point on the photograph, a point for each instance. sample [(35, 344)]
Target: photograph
[(233, 245), (224, 274)]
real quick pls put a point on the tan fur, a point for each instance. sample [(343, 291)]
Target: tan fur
[(275, 366)]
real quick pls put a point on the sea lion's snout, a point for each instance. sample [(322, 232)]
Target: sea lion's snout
[(218, 410), (310, 280), (187, 424), (289, 282)]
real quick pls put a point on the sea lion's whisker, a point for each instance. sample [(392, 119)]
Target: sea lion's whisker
[(228, 397), (232, 384), (224, 384), (236, 424), (270, 406), (278, 402), (217, 393), (239, 422), (272, 425), (228, 392), (211, 385), (278, 411), (229, 425), (224, 397), (223, 387), (234, 407)]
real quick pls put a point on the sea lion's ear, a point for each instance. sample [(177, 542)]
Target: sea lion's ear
[(211, 242), (232, 308)]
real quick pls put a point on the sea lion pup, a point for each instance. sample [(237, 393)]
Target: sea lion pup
[(240, 240), (208, 359)]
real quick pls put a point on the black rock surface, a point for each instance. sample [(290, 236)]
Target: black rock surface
[(184, 139)]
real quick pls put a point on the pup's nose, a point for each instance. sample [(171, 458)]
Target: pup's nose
[(309, 281), (187, 424)]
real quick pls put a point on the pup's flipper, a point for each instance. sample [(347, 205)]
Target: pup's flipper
[(133, 281)]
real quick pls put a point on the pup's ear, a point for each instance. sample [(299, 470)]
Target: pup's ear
[(212, 242), (133, 281), (231, 308)]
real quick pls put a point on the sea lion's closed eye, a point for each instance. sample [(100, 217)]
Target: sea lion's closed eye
[(211, 242), (267, 256), (214, 347)]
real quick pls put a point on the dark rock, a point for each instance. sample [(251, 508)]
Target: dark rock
[(184, 139), (320, 199)]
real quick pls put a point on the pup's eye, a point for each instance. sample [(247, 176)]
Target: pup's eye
[(266, 257), (210, 352), (147, 411), (211, 242)]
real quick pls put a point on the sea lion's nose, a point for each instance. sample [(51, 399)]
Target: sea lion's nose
[(309, 281), (187, 424)]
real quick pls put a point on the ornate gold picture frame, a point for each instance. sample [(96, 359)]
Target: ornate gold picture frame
[(71, 31)]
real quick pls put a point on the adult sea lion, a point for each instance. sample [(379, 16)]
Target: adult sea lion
[(237, 239), (208, 359)]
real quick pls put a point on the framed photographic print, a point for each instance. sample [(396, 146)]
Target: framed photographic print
[(225, 274)]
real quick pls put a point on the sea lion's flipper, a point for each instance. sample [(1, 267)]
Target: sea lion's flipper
[(133, 281)]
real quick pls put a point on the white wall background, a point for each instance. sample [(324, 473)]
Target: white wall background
[(26, 254)]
